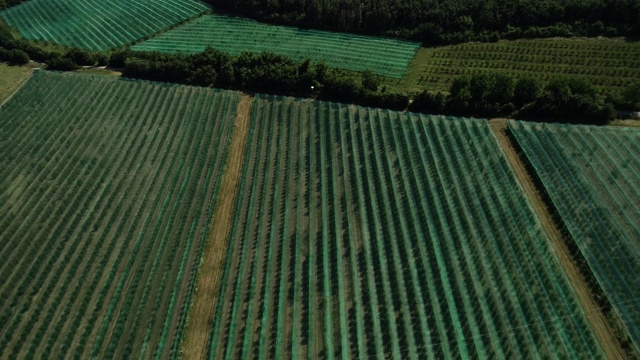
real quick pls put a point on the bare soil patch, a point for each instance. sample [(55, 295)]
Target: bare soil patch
[(600, 325), (626, 122), (201, 313)]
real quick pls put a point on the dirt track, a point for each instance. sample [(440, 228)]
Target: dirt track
[(201, 313), (599, 324)]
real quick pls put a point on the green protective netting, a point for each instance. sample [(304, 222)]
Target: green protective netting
[(591, 174), (98, 25), (233, 35)]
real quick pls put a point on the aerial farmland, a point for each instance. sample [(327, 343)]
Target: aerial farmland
[(199, 180)]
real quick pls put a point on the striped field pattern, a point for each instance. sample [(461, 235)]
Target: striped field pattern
[(106, 196), (592, 176), (233, 35), (610, 65), (98, 24), (369, 234)]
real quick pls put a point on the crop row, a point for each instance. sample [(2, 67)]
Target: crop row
[(364, 233), (591, 175), (585, 59), (607, 64), (440, 76), (105, 210), (234, 35), (98, 25), (607, 48)]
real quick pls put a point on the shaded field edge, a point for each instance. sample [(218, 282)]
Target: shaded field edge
[(200, 314), (606, 325), (22, 83)]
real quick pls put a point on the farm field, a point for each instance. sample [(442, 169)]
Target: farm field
[(609, 64), (11, 77), (591, 175), (383, 56), (106, 197), (366, 233), (98, 25)]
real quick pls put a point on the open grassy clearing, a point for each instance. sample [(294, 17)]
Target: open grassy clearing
[(609, 64), (106, 198), (591, 175), (11, 78), (383, 56), (365, 233), (98, 25)]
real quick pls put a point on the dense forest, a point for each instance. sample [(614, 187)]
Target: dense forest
[(449, 21), (444, 21), (6, 3)]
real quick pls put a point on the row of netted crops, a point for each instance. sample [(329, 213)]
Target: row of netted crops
[(608, 64), (367, 233), (98, 25), (592, 176), (388, 57), (106, 202)]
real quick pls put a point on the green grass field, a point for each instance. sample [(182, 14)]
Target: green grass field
[(387, 57), (11, 77), (609, 64), (106, 194), (98, 25)]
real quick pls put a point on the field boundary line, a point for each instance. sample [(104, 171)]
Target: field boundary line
[(201, 313), (601, 327), (24, 82), (162, 31)]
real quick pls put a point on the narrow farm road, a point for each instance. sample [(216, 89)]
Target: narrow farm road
[(215, 248), (599, 324)]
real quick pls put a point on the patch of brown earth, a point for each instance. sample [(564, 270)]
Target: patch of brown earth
[(215, 248)]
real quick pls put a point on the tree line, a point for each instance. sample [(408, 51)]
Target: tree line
[(481, 95), (444, 21), (449, 21), (486, 95), (490, 95), (260, 72)]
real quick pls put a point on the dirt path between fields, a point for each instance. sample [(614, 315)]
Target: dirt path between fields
[(599, 324), (215, 248)]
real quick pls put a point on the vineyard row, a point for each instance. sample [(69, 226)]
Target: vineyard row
[(364, 233)]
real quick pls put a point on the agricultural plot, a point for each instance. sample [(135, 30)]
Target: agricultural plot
[(106, 197), (608, 64), (387, 57), (11, 77), (98, 25), (365, 233), (592, 176)]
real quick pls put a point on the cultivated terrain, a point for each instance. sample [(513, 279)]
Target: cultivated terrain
[(226, 180)]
